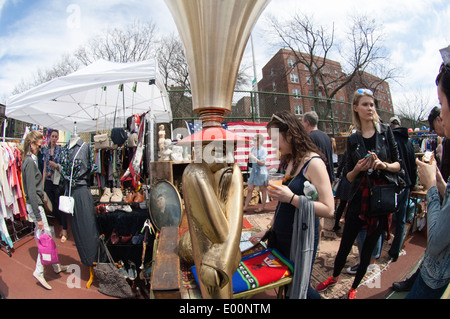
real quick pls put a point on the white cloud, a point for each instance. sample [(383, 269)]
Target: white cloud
[(415, 29)]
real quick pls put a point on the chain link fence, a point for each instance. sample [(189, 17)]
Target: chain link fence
[(250, 106)]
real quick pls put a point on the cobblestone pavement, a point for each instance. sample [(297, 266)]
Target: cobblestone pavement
[(326, 254)]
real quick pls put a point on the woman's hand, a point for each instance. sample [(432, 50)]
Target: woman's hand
[(40, 225), (52, 164), (377, 163), (256, 238), (365, 164), (427, 174), (280, 193)]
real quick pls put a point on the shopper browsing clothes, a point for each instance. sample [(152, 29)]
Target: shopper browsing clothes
[(52, 157), (34, 194), (302, 161), (258, 173), (434, 273), (372, 151)]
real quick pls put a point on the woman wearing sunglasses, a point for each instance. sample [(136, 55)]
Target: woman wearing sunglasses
[(34, 194), (301, 161), (434, 273), (372, 152)]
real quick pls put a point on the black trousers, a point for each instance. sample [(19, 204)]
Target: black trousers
[(353, 225), (53, 193)]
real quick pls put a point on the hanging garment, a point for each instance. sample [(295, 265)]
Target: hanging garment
[(302, 248), (83, 223), (133, 173)]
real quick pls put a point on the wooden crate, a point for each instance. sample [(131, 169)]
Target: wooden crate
[(165, 282)]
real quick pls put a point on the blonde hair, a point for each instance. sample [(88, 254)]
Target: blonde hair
[(333, 143), (32, 137), (356, 120)]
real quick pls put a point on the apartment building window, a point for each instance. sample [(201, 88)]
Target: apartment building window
[(274, 86), (298, 110), (294, 78), (296, 93), (291, 63), (308, 80)]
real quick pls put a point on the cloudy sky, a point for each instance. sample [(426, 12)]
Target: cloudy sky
[(36, 33)]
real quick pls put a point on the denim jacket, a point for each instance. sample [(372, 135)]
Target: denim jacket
[(435, 269)]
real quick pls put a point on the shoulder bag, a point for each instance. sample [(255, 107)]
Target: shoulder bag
[(67, 203), (383, 199), (111, 281), (102, 141)]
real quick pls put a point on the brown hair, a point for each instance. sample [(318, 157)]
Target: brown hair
[(443, 79), (301, 142), (32, 137)]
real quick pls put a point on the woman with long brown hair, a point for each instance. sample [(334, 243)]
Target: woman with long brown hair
[(301, 161)]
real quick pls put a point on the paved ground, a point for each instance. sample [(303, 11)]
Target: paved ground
[(17, 282), (376, 284)]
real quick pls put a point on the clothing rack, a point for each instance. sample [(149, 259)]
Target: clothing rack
[(13, 215), (19, 231)]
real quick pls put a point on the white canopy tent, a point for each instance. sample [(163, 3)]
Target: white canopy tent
[(92, 96)]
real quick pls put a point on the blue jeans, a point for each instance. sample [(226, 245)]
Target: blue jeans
[(400, 220), (420, 290), (360, 242)]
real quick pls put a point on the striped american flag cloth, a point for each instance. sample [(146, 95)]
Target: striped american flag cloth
[(248, 130)]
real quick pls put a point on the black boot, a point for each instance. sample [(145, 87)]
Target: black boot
[(407, 284)]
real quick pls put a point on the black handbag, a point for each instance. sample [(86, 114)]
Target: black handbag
[(111, 282), (118, 134), (383, 199)]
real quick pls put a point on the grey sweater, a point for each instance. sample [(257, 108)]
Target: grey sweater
[(33, 187), (302, 248)]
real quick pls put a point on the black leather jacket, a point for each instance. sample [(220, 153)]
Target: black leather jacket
[(385, 148)]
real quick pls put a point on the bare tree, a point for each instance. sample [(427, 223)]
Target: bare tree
[(172, 62), (68, 64), (312, 46), (414, 108), (306, 44), (134, 42)]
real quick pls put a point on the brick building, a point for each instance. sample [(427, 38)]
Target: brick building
[(282, 75)]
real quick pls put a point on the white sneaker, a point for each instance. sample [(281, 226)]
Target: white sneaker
[(117, 195), (126, 208), (42, 281), (373, 267), (60, 268), (106, 196)]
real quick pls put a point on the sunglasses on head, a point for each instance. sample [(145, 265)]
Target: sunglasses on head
[(276, 117), (366, 91)]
